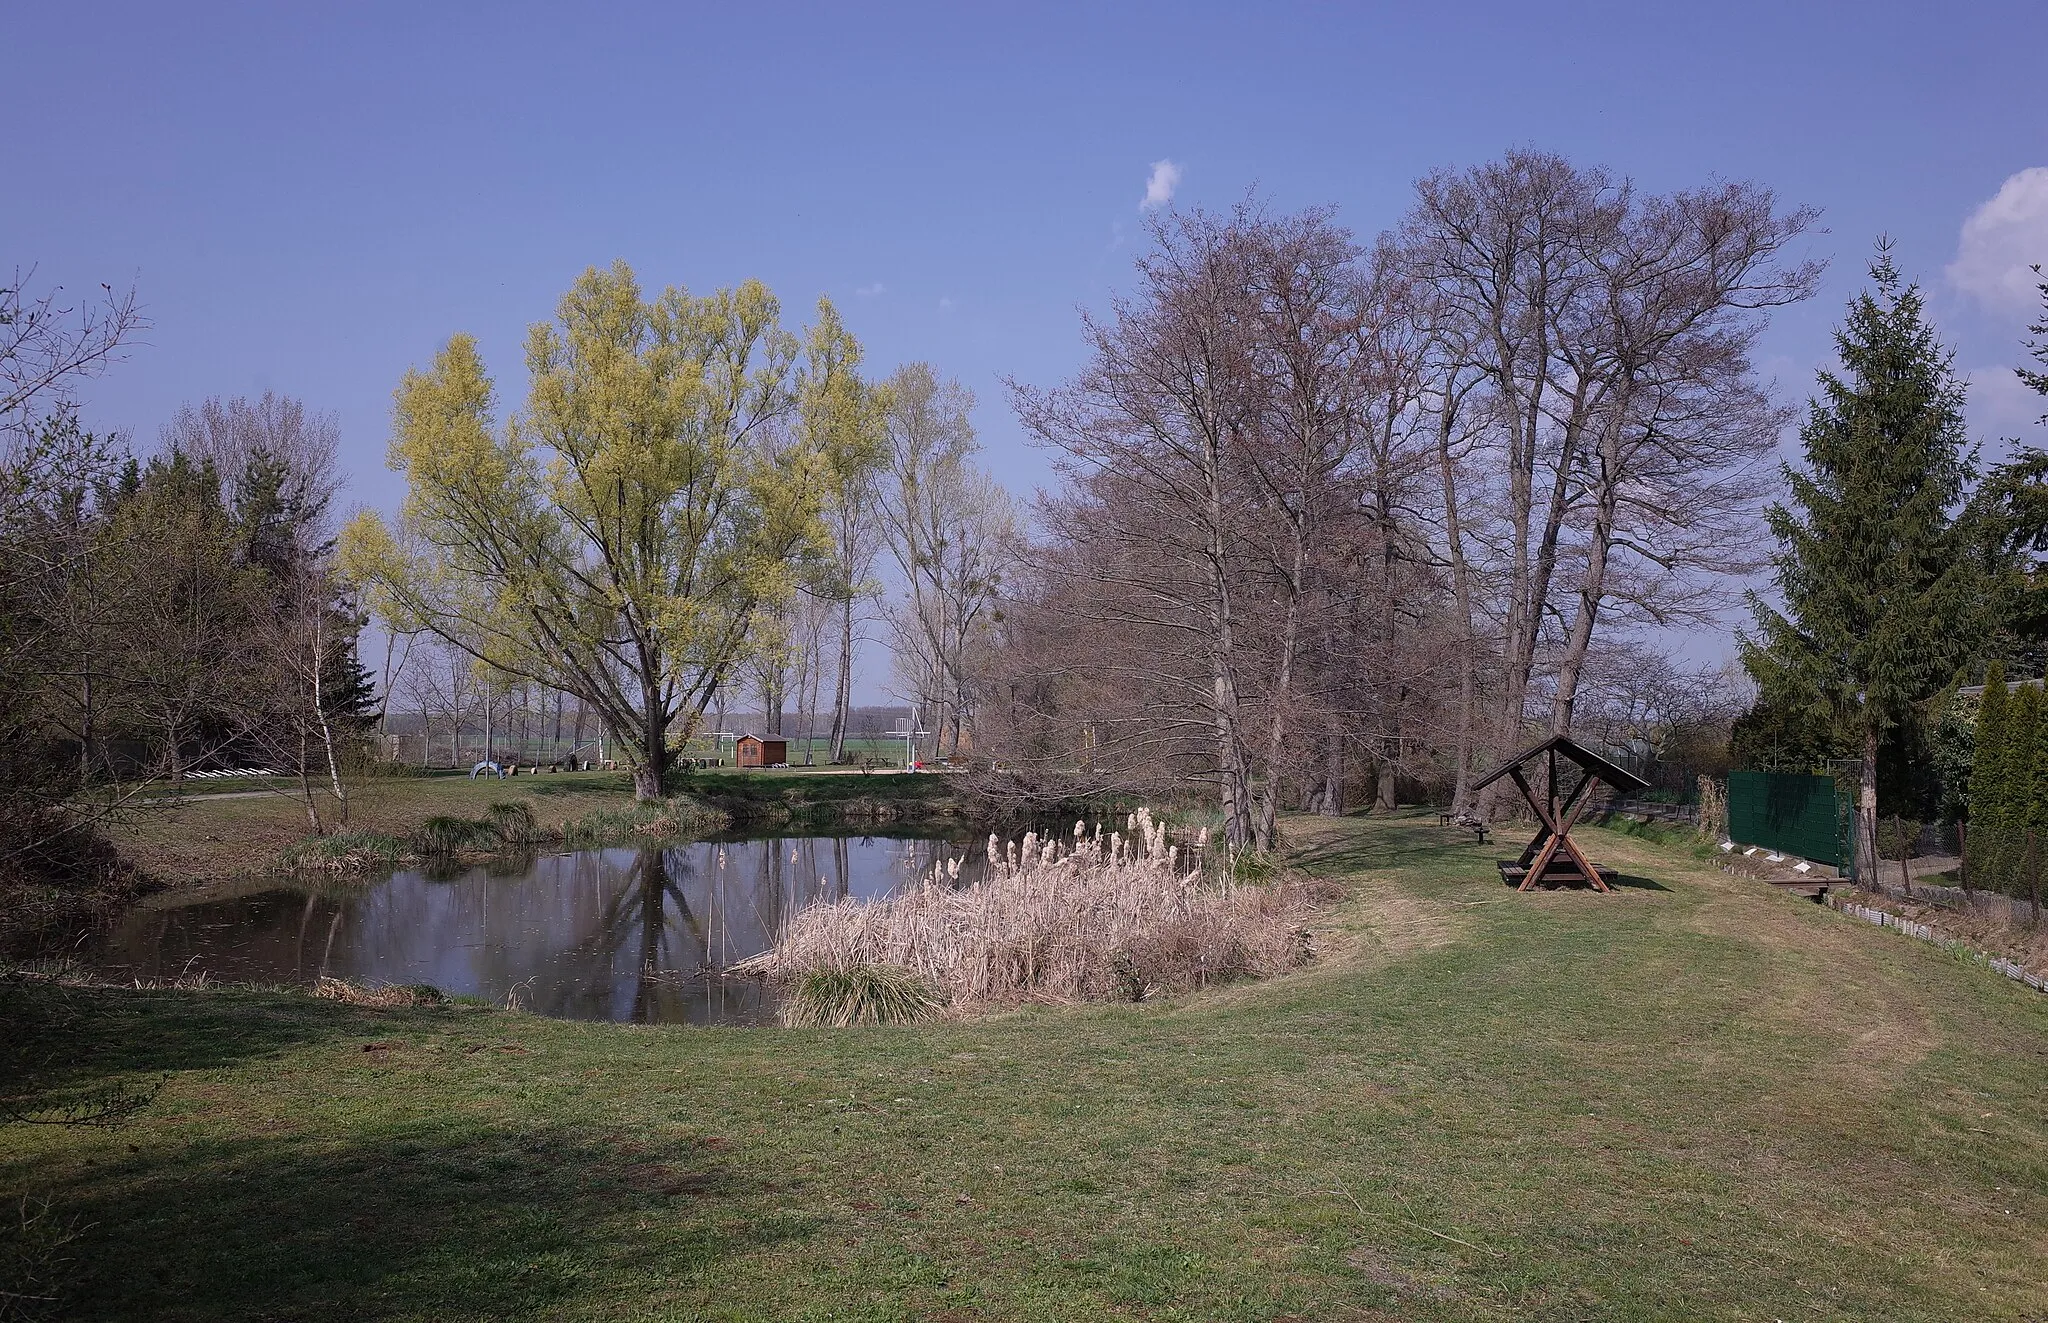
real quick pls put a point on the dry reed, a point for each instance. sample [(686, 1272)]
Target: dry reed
[(1104, 915), (383, 996)]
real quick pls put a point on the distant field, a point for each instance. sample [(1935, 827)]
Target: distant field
[(1695, 1099)]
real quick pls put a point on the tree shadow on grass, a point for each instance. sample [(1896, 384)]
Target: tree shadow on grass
[(55, 1038), (1401, 843), (544, 787), (454, 1217)]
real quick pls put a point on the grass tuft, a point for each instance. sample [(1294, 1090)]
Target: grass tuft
[(512, 822), (383, 996), (346, 851), (446, 834), (860, 994)]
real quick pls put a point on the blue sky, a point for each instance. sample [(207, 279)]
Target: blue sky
[(313, 201)]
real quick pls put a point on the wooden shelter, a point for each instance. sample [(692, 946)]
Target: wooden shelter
[(759, 751), (1551, 855)]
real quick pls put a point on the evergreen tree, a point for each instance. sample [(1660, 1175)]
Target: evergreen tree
[(1987, 780), (348, 691), (2012, 510), (2032, 784), (1882, 600), (2016, 785)]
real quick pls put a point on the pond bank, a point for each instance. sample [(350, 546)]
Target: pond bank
[(1701, 1101), (205, 839)]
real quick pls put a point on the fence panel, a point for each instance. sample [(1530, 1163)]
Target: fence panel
[(1799, 815)]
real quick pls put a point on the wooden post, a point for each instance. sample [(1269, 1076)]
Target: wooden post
[(1963, 861), (2033, 882), (1905, 852)]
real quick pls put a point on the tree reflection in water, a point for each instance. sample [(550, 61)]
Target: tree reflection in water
[(621, 934)]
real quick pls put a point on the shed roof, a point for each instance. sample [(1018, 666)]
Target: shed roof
[(1591, 763)]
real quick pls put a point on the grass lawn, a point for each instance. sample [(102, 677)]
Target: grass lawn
[(214, 835), (1694, 1099)]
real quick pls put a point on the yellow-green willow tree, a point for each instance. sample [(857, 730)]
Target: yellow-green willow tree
[(617, 538)]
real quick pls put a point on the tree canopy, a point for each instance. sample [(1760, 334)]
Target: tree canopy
[(615, 538)]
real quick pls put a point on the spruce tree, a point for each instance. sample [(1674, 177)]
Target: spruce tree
[(1881, 600), (1987, 781)]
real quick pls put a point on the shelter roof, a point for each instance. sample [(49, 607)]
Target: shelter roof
[(1589, 762)]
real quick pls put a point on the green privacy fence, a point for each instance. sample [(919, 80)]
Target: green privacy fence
[(1800, 815)]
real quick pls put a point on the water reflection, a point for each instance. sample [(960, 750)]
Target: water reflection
[(621, 934)]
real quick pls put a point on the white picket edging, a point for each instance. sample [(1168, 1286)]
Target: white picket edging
[(1886, 919)]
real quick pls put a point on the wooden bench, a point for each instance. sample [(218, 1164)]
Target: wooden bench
[(1464, 822)]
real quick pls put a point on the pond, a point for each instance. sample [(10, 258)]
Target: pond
[(628, 934)]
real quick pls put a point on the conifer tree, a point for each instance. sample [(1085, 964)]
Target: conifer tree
[(2016, 786), (2032, 785), (1881, 600), (1987, 779)]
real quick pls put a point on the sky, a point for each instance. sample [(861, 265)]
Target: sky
[(312, 200)]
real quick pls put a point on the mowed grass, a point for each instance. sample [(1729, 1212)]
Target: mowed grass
[(1694, 1099)]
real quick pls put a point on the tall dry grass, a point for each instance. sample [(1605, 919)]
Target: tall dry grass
[(1098, 915)]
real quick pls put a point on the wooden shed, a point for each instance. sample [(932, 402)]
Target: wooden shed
[(759, 751)]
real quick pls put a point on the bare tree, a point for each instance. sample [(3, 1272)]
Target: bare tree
[(950, 529), (1608, 333), (48, 347)]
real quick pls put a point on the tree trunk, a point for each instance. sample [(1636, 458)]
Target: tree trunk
[(306, 783), (650, 767), (1231, 769), (1593, 588), (1330, 799), (842, 693), (1461, 589), (1866, 813)]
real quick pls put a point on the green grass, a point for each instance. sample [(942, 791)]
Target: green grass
[(1695, 1099), (803, 796)]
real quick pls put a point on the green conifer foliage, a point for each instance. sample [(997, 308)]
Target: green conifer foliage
[(1987, 780), (2016, 784), (1882, 601)]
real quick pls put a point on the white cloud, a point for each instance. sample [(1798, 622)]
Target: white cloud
[(1159, 186), (2001, 240), (2001, 405), (945, 305), (869, 291)]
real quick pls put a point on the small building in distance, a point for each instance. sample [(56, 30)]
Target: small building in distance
[(756, 751)]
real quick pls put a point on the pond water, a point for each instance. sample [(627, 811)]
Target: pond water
[(630, 934)]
